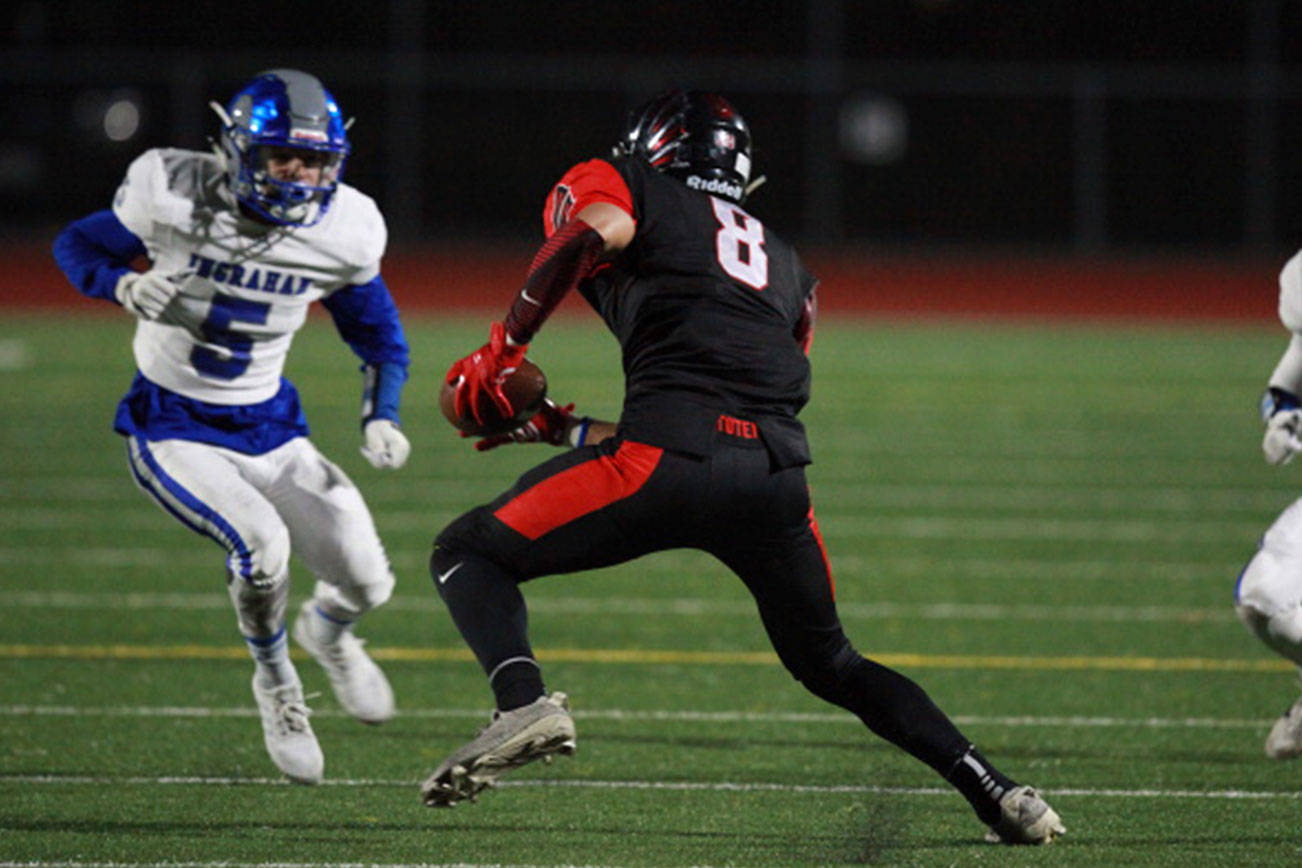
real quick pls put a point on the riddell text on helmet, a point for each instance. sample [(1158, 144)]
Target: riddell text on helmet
[(713, 185)]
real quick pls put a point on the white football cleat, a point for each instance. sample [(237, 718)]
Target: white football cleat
[(358, 683), (290, 741), (1285, 739), (513, 739), (1026, 819)]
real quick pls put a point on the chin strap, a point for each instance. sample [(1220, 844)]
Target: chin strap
[(221, 113), (215, 145)]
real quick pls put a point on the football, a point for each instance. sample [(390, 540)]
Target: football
[(525, 388)]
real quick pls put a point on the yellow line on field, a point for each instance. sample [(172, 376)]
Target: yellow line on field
[(645, 656), (202, 652)]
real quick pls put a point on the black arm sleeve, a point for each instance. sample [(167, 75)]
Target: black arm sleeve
[(566, 259)]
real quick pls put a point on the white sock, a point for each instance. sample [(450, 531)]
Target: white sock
[(326, 627), (271, 659)]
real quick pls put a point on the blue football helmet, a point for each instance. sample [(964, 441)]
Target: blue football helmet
[(283, 108)]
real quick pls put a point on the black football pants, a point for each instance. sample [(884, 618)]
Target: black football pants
[(606, 504)]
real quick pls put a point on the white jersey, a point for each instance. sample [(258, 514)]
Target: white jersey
[(245, 287)]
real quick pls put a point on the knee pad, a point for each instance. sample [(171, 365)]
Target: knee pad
[(1280, 630), (478, 533), (360, 599), (1257, 622), (349, 602), (265, 561), (1267, 601), (455, 538), (1270, 584), (825, 667), (465, 538), (845, 659), (440, 559), (377, 593), (1276, 625)]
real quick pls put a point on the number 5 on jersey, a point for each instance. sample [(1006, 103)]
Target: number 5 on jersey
[(218, 330), (739, 245)]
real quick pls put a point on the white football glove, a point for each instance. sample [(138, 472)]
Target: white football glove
[(386, 446), (146, 294), (1281, 441)]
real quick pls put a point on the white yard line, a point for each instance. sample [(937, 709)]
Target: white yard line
[(1028, 529), (840, 523), (666, 656), (678, 606), (389, 498), (415, 563), (1146, 500), (1041, 569), (617, 714), (677, 786)]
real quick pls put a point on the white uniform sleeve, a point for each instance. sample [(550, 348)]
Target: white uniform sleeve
[(134, 201), (360, 234)]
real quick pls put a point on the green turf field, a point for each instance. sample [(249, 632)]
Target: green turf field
[(1040, 524)]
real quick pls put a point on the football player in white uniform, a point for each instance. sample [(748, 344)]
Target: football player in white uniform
[(1268, 596), (239, 243)]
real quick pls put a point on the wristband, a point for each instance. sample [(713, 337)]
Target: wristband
[(381, 391), (1276, 400), (579, 433)]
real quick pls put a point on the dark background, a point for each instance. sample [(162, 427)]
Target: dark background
[(1085, 127)]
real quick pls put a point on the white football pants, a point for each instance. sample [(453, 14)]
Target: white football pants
[(257, 507), (1268, 596)]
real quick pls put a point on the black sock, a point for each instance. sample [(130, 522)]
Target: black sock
[(516, 683), (897, 709), (980, 783), (489, 611), (900, 711)]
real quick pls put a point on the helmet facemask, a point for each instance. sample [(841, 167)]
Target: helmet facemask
[(286, 202)]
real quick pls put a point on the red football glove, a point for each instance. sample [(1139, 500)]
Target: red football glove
[(485, 370), (551, 425)]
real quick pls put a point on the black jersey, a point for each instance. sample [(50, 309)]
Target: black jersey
[(707, 305)]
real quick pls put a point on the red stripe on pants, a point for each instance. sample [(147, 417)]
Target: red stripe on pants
[(813, 525), (579, 490)]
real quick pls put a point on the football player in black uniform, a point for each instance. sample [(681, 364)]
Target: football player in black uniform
[(715, 316)]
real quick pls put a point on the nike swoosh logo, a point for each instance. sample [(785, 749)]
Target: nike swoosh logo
[(443, 577), (524, 293)]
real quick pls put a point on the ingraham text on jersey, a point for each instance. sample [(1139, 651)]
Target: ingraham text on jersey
[(236, 275)]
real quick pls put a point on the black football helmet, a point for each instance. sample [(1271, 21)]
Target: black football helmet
[(694, 136)]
